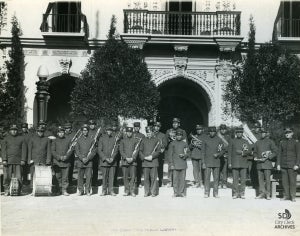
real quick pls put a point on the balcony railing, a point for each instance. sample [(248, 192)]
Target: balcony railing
[(288, 28), (64, 23), (182, 23)]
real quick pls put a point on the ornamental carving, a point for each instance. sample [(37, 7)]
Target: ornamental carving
[(156, 73), (206, 76), (225, 69), (180, 64), (65, 65)]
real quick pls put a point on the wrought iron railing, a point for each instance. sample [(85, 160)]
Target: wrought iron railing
[(67, 23), (288, 27), (182, 23)]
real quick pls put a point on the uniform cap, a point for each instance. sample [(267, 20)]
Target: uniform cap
[(264, 130), (68, 125), (129, 129), (239, 130), (176, 120), (257, 125), (148, 129), (157, 123), (91, 122), (24, 125), (114, 123), (223, 126), (137, 124), (109, 127), (288, 130), (13, 127), (212, 129), (42, 123), (40, 129), (179, 132), (60, 128), (85, 126), (199, 127)]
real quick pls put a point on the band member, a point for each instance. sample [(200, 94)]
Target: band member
[(225, 137), (13, 156), (2, 135), (150, 148), (238, 151), (139, 170), (43, 125), (211, 163), (26, 135), (264, 152), (39, 150), (197, 148), (179, 152), (92, 134), (288, 161), (163, 144), (252, 173), (171, 136), (118, 134), (61, 160), (107, 149), (69, 134), (129, 148), (85, 151)]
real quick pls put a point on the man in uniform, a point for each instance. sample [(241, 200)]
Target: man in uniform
[(3, 169), (92, 133), (118, 134), (163, 144), (61, 160), (238, 151), (39, 150), (139, 168), (107, 150), (225, 137), (43, 125), (14, 156), (212, 163), (251, 164), (288, 161), (264, 152), (179, 152), (129, 148), (150, 149), (85, 152), (171, 136), (69, 134), (25, 133), (197, 147)]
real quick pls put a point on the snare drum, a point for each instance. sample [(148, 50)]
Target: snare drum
[(42, 181), (14, 187)]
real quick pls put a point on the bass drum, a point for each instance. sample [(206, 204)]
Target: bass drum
[(42, 181)]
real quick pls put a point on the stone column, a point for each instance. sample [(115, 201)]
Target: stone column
[(42, 94)]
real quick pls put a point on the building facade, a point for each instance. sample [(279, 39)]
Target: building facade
[(189, 47)]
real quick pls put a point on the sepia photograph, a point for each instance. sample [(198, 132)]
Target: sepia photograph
[(150, 117)]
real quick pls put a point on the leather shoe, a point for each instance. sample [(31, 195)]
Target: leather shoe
[(112, 194), (234, 196), (133, 195), (102, 194), (206, 195), (65, 193), (293, 199), (126, 194), (79, 193), (260, 196)]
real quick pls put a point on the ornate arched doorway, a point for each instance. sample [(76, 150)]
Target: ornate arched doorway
[(183, 98)]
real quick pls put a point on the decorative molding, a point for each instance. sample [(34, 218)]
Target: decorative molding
[(156, 73), (181, 48), (206, 76), (65, 65), (30, 52), (180, 64), (65, 53), (224, 69)]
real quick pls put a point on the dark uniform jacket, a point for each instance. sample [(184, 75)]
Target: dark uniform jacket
[(14, 149), (150, 146), (39, 150), (196, 152), (288, 153), (236, 158), (176, 148), (261, 146), (227, 138), (211, 147), (59, 148), (106, 145), (82, 149), (127, 146)]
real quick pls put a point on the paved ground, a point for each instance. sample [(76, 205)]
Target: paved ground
[(162, 215)]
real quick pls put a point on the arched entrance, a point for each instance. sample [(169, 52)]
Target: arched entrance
[(60, 90), (185, 99)]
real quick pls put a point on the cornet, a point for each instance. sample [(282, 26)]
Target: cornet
[(196, 142)]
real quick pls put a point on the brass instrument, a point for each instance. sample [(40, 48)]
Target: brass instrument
[(136, 147), (248, 135), (117, 137), (196, 142), (155, 147), (74, 141), (226, 144), (245, 148), (94, 143), (220, 147)]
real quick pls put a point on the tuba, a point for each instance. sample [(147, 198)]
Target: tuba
[(196, 142)]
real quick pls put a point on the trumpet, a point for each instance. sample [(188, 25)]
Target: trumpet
[(196, 142), (74, 141), (220, 147)]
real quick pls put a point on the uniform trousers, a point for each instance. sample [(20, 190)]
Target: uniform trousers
[(87, 172), (289, 178), (108, 174), (61, 179), (150, 176), (239, 173), (264, 181), (216, 173), (129, 172), (197, 170), (223, 170), (179, 181), (9, 172)]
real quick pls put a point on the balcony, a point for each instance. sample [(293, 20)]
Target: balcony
[(67, 25), (287, 28), (221, 23)]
